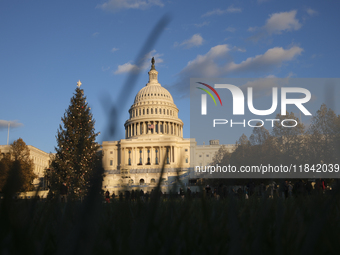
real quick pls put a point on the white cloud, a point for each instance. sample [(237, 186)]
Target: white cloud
[(104, 69), (201, 66), (239, 49), (204, 65), (217, 62), (117, 5), (283, 21), (205, 23), (271, 58), (13, 124), (195, 40), (311, 12), (95, 34), (230, 29), (114, 49), (230, 9), (126, 68), (129, 67), (276, 24)]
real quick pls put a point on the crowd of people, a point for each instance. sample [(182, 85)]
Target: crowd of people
[(284, 189)]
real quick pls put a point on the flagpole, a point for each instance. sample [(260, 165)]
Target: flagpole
[(8, 132)]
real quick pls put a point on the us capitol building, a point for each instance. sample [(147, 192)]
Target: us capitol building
[(153, 138)]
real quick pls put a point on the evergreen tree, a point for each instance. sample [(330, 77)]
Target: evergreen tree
[(77, 151), (16, 168)]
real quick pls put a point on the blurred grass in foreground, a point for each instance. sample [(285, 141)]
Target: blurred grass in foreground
[(301, 225)]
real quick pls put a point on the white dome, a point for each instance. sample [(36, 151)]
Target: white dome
[(153, 92), (153, 111)]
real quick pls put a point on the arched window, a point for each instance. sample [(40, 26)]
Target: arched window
[(141, 181), (167, 112), (151, 110), (147, 111), (143, 111), (153, 181), (156, 111)]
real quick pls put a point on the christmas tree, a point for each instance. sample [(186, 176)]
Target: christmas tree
[(77, 151)]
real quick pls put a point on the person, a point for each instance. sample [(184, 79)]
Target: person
[(323, 185), (285, 189), (189, 192), (63, 192), (290, 189), (262, 190), (107, 196), (132, 195), (141, 195), (208, 190), (181, 193)]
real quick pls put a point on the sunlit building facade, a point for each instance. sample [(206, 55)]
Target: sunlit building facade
[(153, 139)]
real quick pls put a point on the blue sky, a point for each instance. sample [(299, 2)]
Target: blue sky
[(46, 47)]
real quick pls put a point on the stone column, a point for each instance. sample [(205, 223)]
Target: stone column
[(123, 157), (151, 156)]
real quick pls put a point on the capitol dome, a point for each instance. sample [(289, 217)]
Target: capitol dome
[(153, 92), (153, 111)]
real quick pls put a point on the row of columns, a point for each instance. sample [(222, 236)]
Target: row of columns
[(144, 155), (144, 111), (153, 127)]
